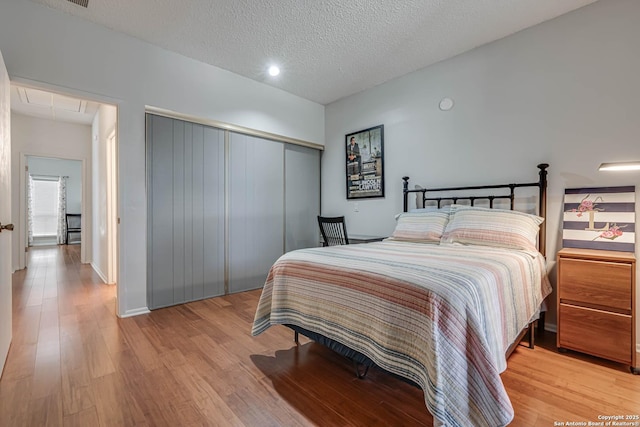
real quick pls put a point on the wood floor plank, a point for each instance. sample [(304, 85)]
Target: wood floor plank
[(21, 361), (158, 394), (46, 411), (88, 417), (199, 389), (72, 362), (115, 405), (141, 346), (14, 401), (77, 394), (49, 330), (114, 339), (128, 364), (36, 293), (26, 325), (46, 380), (97, 354)]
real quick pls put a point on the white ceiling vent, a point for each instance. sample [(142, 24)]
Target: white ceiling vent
[(83, 3)]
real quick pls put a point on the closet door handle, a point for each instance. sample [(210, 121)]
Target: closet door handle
[(6, 227)]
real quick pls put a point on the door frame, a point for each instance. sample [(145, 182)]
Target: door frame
[(112, 207), (102, 99)]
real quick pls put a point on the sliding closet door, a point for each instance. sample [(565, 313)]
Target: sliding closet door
[(302, 197), (185, 186), (256, 209)]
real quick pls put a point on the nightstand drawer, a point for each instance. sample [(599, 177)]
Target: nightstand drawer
[(596, 283), (596, 332)]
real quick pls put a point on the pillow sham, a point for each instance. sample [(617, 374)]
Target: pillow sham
[(500, 228), (420, 227)]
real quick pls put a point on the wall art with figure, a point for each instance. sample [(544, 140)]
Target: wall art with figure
[(364, 163)]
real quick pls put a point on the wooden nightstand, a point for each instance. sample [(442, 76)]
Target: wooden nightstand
[(596, 304)]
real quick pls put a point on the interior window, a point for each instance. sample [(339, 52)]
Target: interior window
[(45, 208)]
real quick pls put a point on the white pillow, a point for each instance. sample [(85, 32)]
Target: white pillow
[(501, 228), (421, 227)]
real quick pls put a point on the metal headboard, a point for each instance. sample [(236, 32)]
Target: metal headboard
[(542, 200)]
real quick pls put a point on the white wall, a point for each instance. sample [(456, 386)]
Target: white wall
[(104, 124), (565, 92), (61, 167), (32, 136), (65, 53)]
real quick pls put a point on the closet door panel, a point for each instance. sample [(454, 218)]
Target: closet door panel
[(256, 209), (213, 213), (160, 211), (302, 197), (178, 220), (186, 211), (197, 205)]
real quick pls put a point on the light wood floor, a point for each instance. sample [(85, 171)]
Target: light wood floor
[(74, 363)]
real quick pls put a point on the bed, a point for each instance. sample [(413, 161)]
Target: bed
[(441, 303)]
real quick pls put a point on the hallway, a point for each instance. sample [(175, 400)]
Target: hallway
[(63, 314)]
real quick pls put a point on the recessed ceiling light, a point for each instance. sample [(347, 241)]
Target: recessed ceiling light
[(274, 70)]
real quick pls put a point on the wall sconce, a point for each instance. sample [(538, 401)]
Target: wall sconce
[(620, 166)]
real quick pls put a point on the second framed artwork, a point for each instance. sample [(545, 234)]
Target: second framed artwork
[(365, 163)]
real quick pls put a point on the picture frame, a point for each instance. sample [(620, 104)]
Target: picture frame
[(600, 218), (364, 165)]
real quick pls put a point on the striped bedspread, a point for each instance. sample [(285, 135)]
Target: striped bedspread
[(442, 316)]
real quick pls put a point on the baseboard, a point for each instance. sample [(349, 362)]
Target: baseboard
[(135, 312), (97, 270)]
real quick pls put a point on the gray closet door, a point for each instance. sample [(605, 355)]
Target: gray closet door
[(185, 187), (302, 197), (256, 209)]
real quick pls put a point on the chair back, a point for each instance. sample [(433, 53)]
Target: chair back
[(74, 225), (333, 230), (74, 221)]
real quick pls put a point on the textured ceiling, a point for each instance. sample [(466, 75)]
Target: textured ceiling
[(327, 49)]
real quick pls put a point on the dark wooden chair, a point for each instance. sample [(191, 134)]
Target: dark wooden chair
[(334, 230), (74, 225)]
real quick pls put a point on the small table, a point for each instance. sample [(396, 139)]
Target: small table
[(362, 238)]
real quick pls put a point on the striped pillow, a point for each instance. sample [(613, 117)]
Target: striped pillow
[(492, 227), (420, 227)]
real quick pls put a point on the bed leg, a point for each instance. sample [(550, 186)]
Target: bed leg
[(360, 373), (295, 336), (541, 321), (532, 335)]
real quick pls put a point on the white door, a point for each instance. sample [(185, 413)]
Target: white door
[(5, 215)]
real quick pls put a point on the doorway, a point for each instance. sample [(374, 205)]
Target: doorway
[(69, 127), (54, 190)]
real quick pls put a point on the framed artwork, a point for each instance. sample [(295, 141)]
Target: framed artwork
[(600, 218), (364, 153)]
